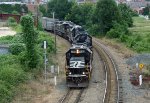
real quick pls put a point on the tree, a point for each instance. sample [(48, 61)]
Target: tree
[(81, 14), (146, 10), (8, 8), (42, 9), (106, 13), (60, 7), (126, 14), (30, 39)]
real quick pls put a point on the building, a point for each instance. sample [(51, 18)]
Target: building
[(35, 1), (135, 5), (83, 1)]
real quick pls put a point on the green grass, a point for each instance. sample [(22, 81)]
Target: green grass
[(140, 35)]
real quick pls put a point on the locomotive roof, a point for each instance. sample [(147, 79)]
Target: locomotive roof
[(81, 47), (50, 19)]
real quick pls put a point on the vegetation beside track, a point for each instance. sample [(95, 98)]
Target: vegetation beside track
[(138, 37), (12, 72)]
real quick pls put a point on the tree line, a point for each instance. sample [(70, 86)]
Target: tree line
[(13, 9), (105, 18)]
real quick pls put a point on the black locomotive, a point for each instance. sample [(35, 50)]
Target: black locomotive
[(79, 57)]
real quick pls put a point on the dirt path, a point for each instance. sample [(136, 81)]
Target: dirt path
[(4, 31)]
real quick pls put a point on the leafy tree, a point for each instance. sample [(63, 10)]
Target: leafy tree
[(8, 8), (42, 9), (126, 14), (60, 7), (81, 14), (15, 49), (117, 30), (11, 21), (106, 13), (30, 39), (146, 10), (15, 12)]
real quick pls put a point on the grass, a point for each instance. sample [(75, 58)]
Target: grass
[(140, 35)]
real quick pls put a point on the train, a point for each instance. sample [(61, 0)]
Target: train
[(78, 66)]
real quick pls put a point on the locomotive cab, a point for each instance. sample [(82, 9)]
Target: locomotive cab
[(78, 66)]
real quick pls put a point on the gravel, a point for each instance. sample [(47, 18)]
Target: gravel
[(4, 31), (94, 93), (131, 94)]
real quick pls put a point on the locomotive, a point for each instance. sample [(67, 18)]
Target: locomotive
[(78, 66)]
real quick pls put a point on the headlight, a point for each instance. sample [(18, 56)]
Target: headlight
[(83, 73), (70, 73)]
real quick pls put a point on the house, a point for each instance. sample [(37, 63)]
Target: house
[(135, 5)]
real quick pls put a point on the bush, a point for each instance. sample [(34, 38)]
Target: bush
[(6, 92), (15, 49), (94, 29), (131, 42), (11, 39), (12, 76), (123, 38), (113, 33), (11, 21), (45, 37), (6, 39), (17, 38), (118, 30), (15, 12), (138, 38)]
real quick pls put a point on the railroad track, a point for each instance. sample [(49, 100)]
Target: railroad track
[(113, 89), (72, 96)]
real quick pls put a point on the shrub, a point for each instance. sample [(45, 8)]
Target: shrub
[(117, 30), (131, 43), (94, 29), (15, 49), (6, 39), (12, 76), (138, 38), (113, 33), (15, 12), (123, 38), (6, 93), (11, 21), (7, 60), (17, 38), (44, 37)]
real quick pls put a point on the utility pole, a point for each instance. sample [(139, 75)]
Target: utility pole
[(55, 41), (54, 30)]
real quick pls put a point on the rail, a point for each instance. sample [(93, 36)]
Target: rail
[(111, 93)]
